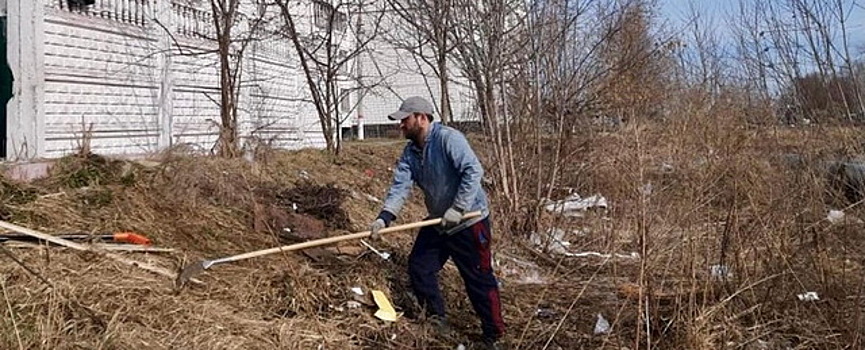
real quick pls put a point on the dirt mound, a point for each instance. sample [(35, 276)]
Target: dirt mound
[(322, 202)]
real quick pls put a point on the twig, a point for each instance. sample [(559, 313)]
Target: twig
[(574, 303), (540, 298), (648, 325), (11, 314), (25, 267)]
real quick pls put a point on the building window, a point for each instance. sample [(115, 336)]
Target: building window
[(325, 15), (79, 5)]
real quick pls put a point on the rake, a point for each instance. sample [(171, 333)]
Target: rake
[(192, 270)]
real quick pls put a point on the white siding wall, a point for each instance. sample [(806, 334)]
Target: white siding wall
[(277, 116), (103, 73), (99, 74), (195, 109)]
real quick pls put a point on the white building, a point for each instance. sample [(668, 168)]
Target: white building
[(139, 76)]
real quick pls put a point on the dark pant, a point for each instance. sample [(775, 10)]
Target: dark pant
[(470, 250)]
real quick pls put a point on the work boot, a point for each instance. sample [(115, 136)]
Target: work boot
[(440, 325)]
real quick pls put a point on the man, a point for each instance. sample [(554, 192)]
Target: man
[(440, 161)]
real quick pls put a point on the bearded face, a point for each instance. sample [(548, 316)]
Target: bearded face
[(411, 127)]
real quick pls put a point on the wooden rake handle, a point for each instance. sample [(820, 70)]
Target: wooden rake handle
[(329, 240)]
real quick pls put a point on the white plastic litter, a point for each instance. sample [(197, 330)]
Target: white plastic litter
[(602, 326), (357, 290), (647, 189), (554, 242), (576, 206), (372, 198), (531, 277), (720, 271), (839, 217), (363, 195), (808, 296), (667, 167), (545, 313), (835, 216)]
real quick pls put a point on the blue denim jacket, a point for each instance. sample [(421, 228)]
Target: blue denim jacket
[(446, 170)]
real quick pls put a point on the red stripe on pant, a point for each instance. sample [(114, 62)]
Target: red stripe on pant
[(493, 317)]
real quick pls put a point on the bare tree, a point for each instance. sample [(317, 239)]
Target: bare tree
[(225, 14), (482, 31), (634, 86), (791, 39), (235, 30), (424, 27), (327, 53), (539, 74)]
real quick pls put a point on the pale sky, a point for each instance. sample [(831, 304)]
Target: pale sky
[(677, 12)]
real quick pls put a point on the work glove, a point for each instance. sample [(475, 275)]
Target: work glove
[(383, 220), (451, 218), (376, 226)]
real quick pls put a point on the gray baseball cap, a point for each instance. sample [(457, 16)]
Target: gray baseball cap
[(412, 105)]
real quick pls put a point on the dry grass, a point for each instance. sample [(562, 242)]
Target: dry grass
[(722, 193)]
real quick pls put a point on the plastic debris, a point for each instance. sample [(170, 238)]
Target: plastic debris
[(602, 326), (576, 206), (720, 271), (808, 296), (367, 196), (555, 243), (357, 290), (835, 216), (667, 167), (461, 347), (545, 313), (839, 217), (647, 189), (518, 271), (371, 198), (385, 309), (531, 277)]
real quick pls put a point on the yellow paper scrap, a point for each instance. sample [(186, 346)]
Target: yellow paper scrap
[(385, 309)]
